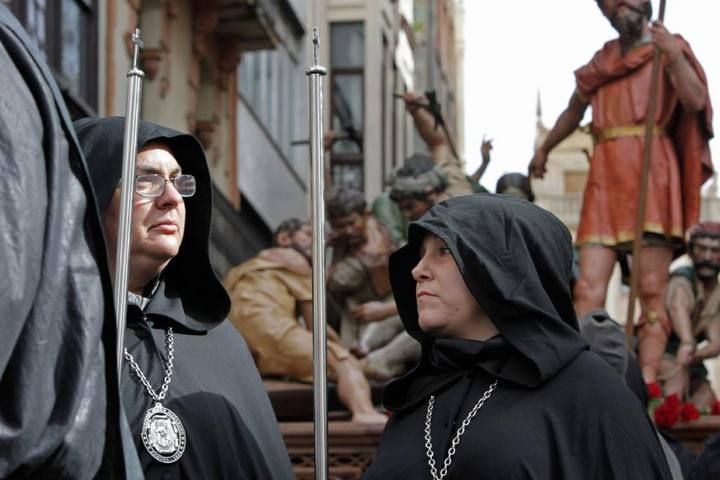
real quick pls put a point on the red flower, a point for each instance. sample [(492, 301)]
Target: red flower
[(668, 413), (673, 400), (689, 412), (654, 390), (715, 408)]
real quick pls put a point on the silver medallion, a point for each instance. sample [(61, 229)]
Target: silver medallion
[(163, 434)]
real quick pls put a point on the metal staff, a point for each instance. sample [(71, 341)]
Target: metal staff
[(642, 191), (317, 191), (132, 112)]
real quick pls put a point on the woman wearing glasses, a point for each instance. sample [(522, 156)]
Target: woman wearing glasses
[(194, 400)]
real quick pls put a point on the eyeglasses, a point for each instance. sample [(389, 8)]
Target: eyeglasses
[(153, 185)]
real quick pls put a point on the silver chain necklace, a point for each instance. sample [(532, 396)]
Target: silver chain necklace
[(162, 433), (458, 434)]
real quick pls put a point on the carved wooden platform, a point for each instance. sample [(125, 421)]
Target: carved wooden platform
[(351, 448), (693, 434), (293, 401)]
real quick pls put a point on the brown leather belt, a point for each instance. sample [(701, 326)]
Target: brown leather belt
[(625, 131)]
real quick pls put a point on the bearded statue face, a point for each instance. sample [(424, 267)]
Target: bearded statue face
[(628, 17), (705, 254)]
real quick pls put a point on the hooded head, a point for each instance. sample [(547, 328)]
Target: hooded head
[(515, 259), (516, 185), (188, 274)]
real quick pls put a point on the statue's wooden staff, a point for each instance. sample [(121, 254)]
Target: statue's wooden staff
[(642, 192)]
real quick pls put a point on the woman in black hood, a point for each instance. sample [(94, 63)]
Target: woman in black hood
[(506, 388), (208, 415)]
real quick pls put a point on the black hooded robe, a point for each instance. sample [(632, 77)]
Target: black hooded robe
[(216, 392), (60, 410), (559, 412)]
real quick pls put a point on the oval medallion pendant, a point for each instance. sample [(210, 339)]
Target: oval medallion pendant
[(163, 434)]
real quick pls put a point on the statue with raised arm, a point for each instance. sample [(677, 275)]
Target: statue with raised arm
[(616, 83)]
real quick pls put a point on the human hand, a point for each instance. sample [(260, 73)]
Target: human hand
[(332, 237), (332, 335), (424, 120), (413, 101), (369, 312), (485, 149), (536, 168), (358, 351), (665, 41), (329, 139), (685, 354), (708, 351)]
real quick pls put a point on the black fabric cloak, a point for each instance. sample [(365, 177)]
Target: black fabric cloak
[(559, 412), (215, 390), (60, 410)]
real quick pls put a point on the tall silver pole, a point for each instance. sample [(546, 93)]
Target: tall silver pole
[(122, 254), (317, 191)]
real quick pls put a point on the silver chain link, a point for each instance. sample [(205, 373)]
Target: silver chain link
[(170, 341), (458, 434)]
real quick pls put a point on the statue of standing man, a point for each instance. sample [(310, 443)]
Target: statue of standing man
[(616, 83)]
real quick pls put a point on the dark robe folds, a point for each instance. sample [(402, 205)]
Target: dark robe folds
[(559, 412), (215, 390), (60, 412)]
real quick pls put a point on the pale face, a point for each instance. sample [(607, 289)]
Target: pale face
[(446, 308), (158, 223)]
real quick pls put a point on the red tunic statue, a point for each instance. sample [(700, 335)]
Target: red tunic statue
[(616, 83), (616, 86)]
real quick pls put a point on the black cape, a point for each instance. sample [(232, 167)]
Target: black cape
[(215, 390), (559, 411), (60, 411)]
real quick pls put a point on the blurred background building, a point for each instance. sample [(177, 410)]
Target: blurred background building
[(232, 72)]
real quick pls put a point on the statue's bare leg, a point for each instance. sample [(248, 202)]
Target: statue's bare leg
[(596, 266), (675, 377), (654, 325), (354, 390)]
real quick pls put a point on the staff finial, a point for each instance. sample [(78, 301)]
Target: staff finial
[(138, 45)]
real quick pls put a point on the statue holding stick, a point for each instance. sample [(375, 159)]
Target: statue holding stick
[(670, 129)]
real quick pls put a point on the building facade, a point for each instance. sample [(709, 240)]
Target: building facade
[(232, 72), (438, 27), (377, 50)]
